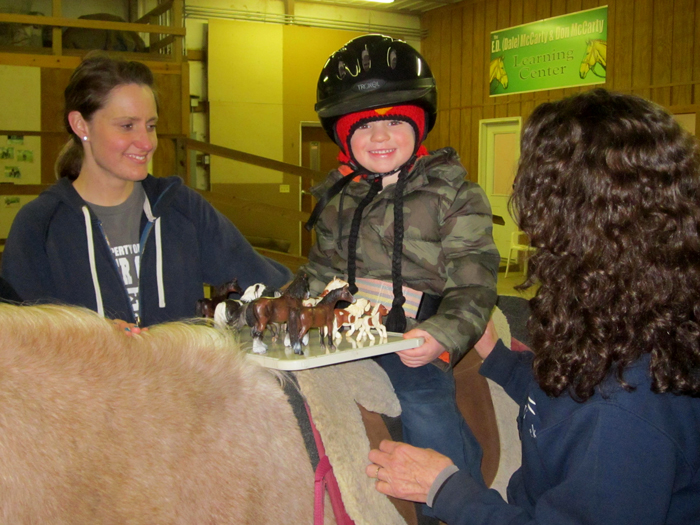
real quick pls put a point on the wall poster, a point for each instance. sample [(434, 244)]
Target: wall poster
[(560, 52)]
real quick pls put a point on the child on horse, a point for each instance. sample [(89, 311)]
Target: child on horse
[(393, 212)]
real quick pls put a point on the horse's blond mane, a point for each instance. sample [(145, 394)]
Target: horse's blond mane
[(173, 425), (67, 329)]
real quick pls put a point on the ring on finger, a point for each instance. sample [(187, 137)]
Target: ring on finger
[(376, 475)]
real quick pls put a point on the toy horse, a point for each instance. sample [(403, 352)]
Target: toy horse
[(207, 307), (350, 317), (283, 309), (374, 320), (321, 316), (232, 313)]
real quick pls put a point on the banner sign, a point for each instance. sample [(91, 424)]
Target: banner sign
[(560, 52)]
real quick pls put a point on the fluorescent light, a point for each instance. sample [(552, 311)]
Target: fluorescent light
[(381, 1)]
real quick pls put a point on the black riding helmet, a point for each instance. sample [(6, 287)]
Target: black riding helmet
[(374, 71)]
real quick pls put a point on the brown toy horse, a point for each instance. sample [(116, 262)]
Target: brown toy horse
[(206, 307), (284, 309), (322, 317)]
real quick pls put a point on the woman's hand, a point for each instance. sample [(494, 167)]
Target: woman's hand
[(128, 328), (404, 471), (488, 341), (426, 353)]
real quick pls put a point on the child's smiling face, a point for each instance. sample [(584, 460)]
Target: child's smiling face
[(382, 146)]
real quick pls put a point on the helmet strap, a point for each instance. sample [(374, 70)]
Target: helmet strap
[(375, 187)]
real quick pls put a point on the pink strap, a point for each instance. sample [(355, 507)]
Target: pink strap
[(323, 467), (325, 480)]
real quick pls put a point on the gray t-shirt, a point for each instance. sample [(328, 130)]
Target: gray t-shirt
[(121, 224)]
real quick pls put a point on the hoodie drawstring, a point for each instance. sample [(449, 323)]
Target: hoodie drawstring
[(93, 266), (159, 252), (159, 266)]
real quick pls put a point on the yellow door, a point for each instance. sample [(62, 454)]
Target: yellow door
[(499, 151)]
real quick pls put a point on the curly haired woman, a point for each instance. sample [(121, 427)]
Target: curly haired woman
[(608, 189)]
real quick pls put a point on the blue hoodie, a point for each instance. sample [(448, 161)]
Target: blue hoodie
[(623, 458), (57, 252)]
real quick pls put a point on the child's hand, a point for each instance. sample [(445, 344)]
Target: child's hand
[(425, 353)]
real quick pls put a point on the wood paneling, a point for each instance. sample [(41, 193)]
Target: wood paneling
[(696, 56), (653, 51), (641, 47), (662, 50), (53, 83), (682, 52)]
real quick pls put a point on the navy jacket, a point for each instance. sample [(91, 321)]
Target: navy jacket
[(7, 293), (47, 257), (632, 458)]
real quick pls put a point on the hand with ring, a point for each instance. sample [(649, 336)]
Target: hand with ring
[(407, 471)]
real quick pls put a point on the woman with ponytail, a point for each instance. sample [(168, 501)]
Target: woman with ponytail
[(110, 237), (395, 216)]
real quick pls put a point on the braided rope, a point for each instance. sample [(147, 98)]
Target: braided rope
[(374, 188), (396, 320)]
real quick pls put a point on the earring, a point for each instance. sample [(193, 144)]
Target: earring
[(85, 138)]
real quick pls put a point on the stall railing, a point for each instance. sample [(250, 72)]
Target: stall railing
[(164, 26)]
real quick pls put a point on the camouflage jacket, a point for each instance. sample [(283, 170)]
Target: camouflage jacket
[(448, 245)]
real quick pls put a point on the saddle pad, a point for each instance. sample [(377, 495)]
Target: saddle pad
[(331, 394)]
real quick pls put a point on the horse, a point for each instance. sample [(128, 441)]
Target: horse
[(333, 284), (350, 317), (221, 292), (596, 53), (175, 425), (204, 308), (259, 290), (322, 317), (232, 313), (374, 319), (284, 309), (207, 307), (497, 72), (171, 426)]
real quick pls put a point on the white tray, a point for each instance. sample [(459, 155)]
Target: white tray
[(282, 358)]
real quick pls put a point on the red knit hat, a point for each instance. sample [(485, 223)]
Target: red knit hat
[(348, 124)]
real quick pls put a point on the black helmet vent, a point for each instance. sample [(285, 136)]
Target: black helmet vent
[(366, 60), (392, 59)]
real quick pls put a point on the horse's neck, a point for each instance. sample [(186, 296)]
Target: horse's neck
[(298, 288), (331, 298)]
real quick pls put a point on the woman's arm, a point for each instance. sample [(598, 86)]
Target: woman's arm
[(25, 264), (227, 254)]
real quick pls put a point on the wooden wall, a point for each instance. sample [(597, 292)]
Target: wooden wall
[(653, 51)]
